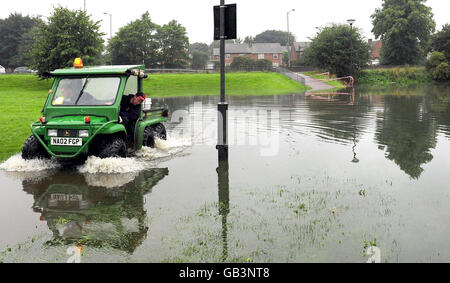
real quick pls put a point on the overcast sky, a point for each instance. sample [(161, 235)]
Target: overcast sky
[(254, 16)]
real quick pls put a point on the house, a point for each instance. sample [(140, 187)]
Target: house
[(375, 47), (269, 51), (297, 49)]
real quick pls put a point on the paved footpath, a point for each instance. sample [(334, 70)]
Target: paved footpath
[(315, 84)]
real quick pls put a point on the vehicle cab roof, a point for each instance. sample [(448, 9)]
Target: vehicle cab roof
[(97, 70)]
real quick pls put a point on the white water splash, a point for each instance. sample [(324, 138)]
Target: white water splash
[(17, 164), (110, 180), (163, 149), (143, 159), (95, 165)]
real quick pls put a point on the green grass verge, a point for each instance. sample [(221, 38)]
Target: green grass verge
[(21, 101), (399, 76), (22, 96), (237, 84)]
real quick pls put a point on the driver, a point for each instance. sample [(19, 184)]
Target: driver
[(130, 110)]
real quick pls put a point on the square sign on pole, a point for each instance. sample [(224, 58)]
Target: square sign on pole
[(230, 22)]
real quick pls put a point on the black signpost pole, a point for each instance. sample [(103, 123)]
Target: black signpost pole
[(222, 145)]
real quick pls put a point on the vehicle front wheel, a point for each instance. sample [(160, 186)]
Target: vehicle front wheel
[(33, 149), (160, 131), (115, 147), (149, 137)]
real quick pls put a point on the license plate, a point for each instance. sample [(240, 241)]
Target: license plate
[(66, 197), (67, 141)]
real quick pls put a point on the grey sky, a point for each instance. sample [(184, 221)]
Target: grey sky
[(254, 16)]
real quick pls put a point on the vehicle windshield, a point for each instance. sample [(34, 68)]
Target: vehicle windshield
[(94, 91)]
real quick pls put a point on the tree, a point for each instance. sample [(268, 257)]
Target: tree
[(174, 45), (440, 41), (405, 28), (249, 40), (199, 46), (136, 43), (69, 34), (199, 59), (12, 30), (274, 36), (330, 50)]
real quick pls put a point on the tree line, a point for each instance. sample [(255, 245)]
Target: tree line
[(67, 34), (407, 31)]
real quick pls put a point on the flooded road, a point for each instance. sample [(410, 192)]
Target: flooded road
[(309, 179)]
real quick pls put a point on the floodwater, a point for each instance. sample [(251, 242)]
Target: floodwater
[(309, 179)]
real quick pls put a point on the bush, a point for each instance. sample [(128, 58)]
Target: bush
[(441, 72), (435, 60), (438, 67), (263, 64), (242, 62)]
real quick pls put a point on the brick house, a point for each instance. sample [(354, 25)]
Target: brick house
[(297, 50), (375, 51), (269, 51)]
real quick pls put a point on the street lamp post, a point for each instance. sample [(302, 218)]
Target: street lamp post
[(351, 22), (288, 41), (110, 24)]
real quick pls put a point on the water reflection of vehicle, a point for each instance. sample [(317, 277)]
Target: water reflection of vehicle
[(85, 210)]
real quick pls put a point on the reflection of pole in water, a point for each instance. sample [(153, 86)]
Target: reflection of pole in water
[(224, 203), (354, 160)]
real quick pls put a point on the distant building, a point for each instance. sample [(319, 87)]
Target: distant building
[(375, 47), (269, 51), (297, 49)]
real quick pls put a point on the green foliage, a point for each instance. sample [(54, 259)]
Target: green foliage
[(441, 72), (286, 57), (405, 28), (306, 59), (135, 43), (263, 64), (441, 41), (199, 46), (436, 58), (438, 67), (401, 76), (13, 30), (199, 59), (242, 62), (174, 45), (273, 36), (330, 50), (247, 63), (68, 34)]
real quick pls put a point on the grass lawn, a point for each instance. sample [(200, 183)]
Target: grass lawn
[(237, 84), (23, 96)]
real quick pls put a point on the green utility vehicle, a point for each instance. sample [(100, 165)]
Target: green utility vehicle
[(81, 116)]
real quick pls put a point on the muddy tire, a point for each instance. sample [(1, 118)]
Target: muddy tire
[(115, 147), (160, 131), (149, 137), (33, 149)]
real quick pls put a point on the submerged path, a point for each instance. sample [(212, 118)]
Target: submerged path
[(314, 83)]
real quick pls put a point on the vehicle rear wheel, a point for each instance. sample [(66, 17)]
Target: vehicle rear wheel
[(33, 149), (149, 137), (160, 131), (116, 147)]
